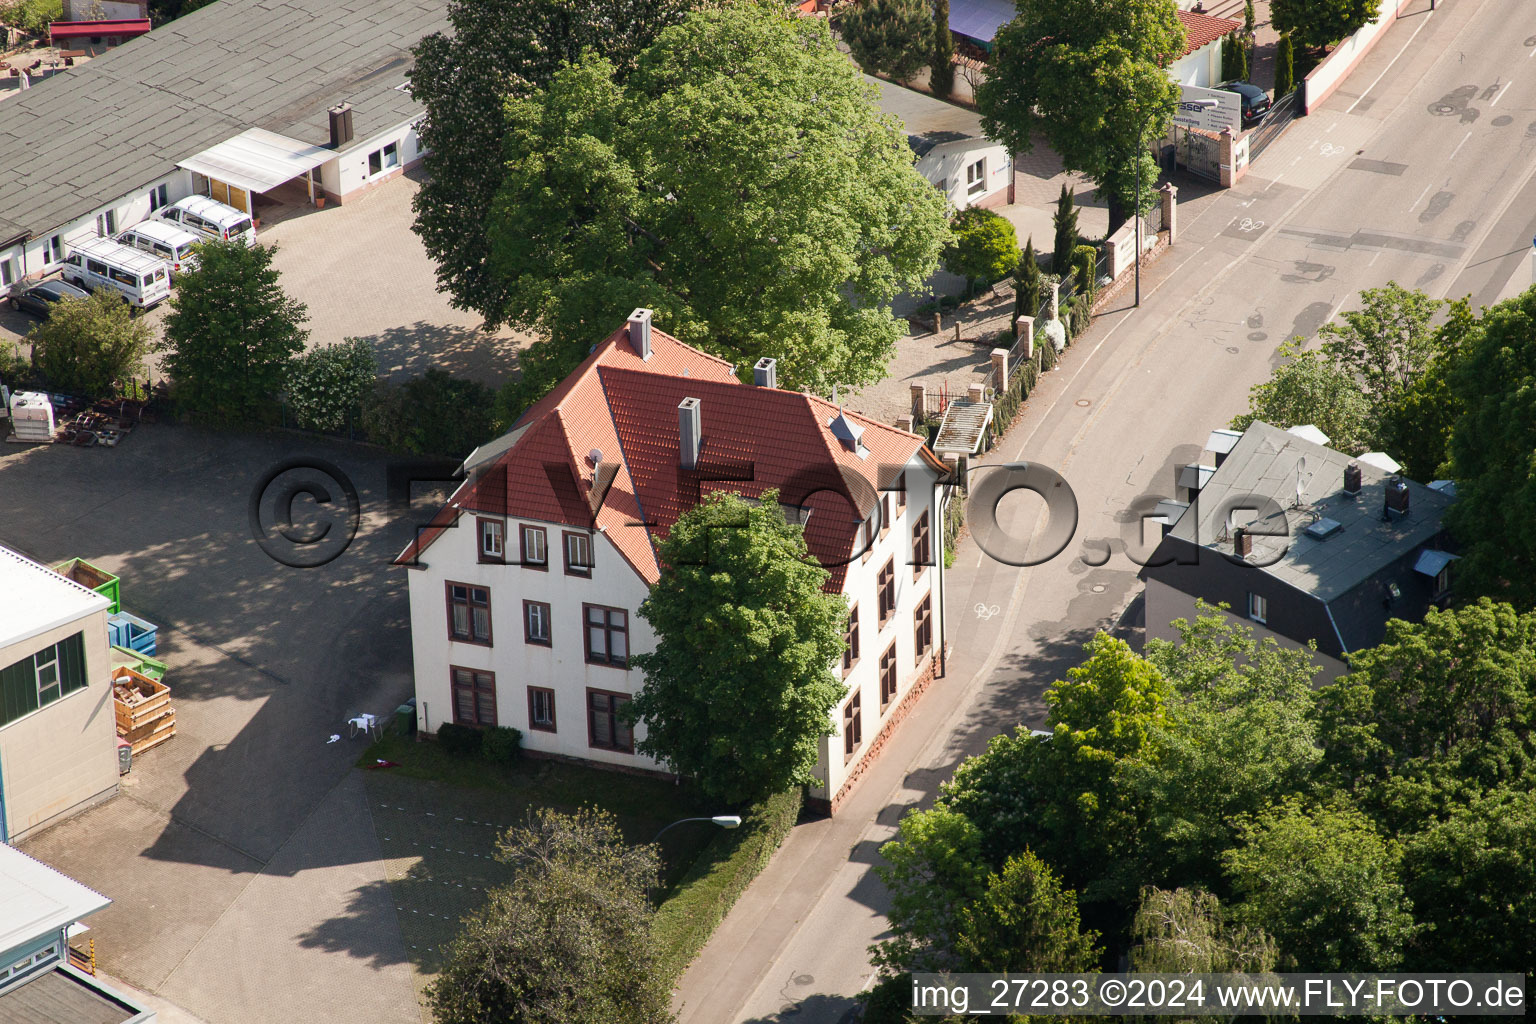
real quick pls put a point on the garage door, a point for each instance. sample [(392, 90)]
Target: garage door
[(236, 197)]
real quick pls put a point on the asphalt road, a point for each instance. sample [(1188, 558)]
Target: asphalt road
[(1419, 169)]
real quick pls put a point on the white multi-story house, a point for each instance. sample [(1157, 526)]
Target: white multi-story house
[(525, 588)]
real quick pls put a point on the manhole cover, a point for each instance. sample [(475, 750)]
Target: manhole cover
[(1098, 588), (1083, 401), (1502, 120)]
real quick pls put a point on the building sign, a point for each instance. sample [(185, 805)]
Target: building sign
[(1190, 113)]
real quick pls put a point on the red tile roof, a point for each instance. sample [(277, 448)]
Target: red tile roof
[(1204, 29), (755, 438)]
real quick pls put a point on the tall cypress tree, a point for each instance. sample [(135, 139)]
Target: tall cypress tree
[(1026, 283), (941, 73), (1285, 67), (1066, 233)]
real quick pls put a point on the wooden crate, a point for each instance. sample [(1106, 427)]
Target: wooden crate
[(152, 733), (137, 699)]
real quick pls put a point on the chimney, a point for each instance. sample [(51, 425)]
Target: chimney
[(1242, 543), (640, 333), (341, 125), (1397, 498), (688, 433), (766, 373), (1352, 479)]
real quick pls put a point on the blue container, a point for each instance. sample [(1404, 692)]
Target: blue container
[(130, 631)]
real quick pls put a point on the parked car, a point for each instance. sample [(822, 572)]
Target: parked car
[(39, 299), (1255, 100), (209, 218), (143, 280), (165, 240)]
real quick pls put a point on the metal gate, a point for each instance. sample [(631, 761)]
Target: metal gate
[(1275, 123), (1198, 153)]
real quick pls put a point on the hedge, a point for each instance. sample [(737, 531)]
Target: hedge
[(700, 901)]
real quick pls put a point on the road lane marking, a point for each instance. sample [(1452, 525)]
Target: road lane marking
[(1422, 22), (1463, 142), (1501, 94), (1421, 196)]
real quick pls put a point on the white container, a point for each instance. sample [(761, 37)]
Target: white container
[(32, 416)]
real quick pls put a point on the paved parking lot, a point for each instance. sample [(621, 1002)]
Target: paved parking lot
[(364, 274), (242, 855)]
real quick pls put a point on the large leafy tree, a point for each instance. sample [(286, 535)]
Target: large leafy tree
[(1387, 343), (1312, 388), (700, 187), (90, 346), (325, 386), (1324, 882), (1416, 427), (984, 247), (1025, 921), (1188, 931), (567, 941), (1437, 710), (739, 690), (1239, 735), (934, 868), (1089, 77), (497, 49), (230, 334), (889, 37), (1319, 23), (1494, 517)]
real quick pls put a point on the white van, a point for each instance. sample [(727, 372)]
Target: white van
[(143, 280), (210, 219), (165, 240)]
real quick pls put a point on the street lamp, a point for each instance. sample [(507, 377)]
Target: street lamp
[(1141, 147), (723, 820)]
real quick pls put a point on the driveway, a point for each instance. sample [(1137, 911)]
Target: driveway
[(238, 844), (364, 274)]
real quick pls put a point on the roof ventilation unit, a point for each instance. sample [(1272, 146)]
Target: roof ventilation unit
[(1324, 528)]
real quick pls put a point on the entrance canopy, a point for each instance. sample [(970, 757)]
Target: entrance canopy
[(257, 160)]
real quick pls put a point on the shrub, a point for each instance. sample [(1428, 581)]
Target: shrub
[(984, 247), (1065, 220), (87, 346), (1085, 264), (949, 302), (460, 740), (1047, 358), (501, 744), (435, 414), (14, 367), (326, 385)]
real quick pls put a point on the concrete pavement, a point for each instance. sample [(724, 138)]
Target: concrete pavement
[(1382, 184)]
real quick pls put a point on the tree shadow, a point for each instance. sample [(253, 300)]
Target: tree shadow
[(369, 929), (410, 350), (815, 1009)]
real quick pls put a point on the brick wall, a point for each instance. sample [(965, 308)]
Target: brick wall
[(915, 691)]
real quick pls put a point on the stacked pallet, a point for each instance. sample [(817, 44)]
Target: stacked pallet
[(145, 717)]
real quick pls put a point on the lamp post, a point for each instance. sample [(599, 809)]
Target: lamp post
[(1141, 148), (723, 820)]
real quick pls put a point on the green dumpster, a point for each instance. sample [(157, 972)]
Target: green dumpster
[(92, 578)]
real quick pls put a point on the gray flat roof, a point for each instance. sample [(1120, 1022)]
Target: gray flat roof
[(120, 121), (1264, 463), (929, 122), (59, 998)]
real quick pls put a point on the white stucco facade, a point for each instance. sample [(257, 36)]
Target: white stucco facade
[(1202, 68), (953, 169)]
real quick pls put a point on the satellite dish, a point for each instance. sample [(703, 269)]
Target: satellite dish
[(595, 455), (1301, 489)]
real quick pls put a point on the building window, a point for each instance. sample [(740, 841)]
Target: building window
[(867, 537), (541, 708), (493, 546), (943, 185), (54, 251), (606, 730), (535, 549), (922, 628), (853, 726), (901, 493), (5, 273), (106, 224), (1443, 580), (42, 678), (469, 614), (578, 554), (851, 641), (885, 587), (885, 515), (887, 677), (536, 622), (976, 178), (1258, 608), (607, 635), (158, 197), (381, 160), (922, 545), (474, 697)]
